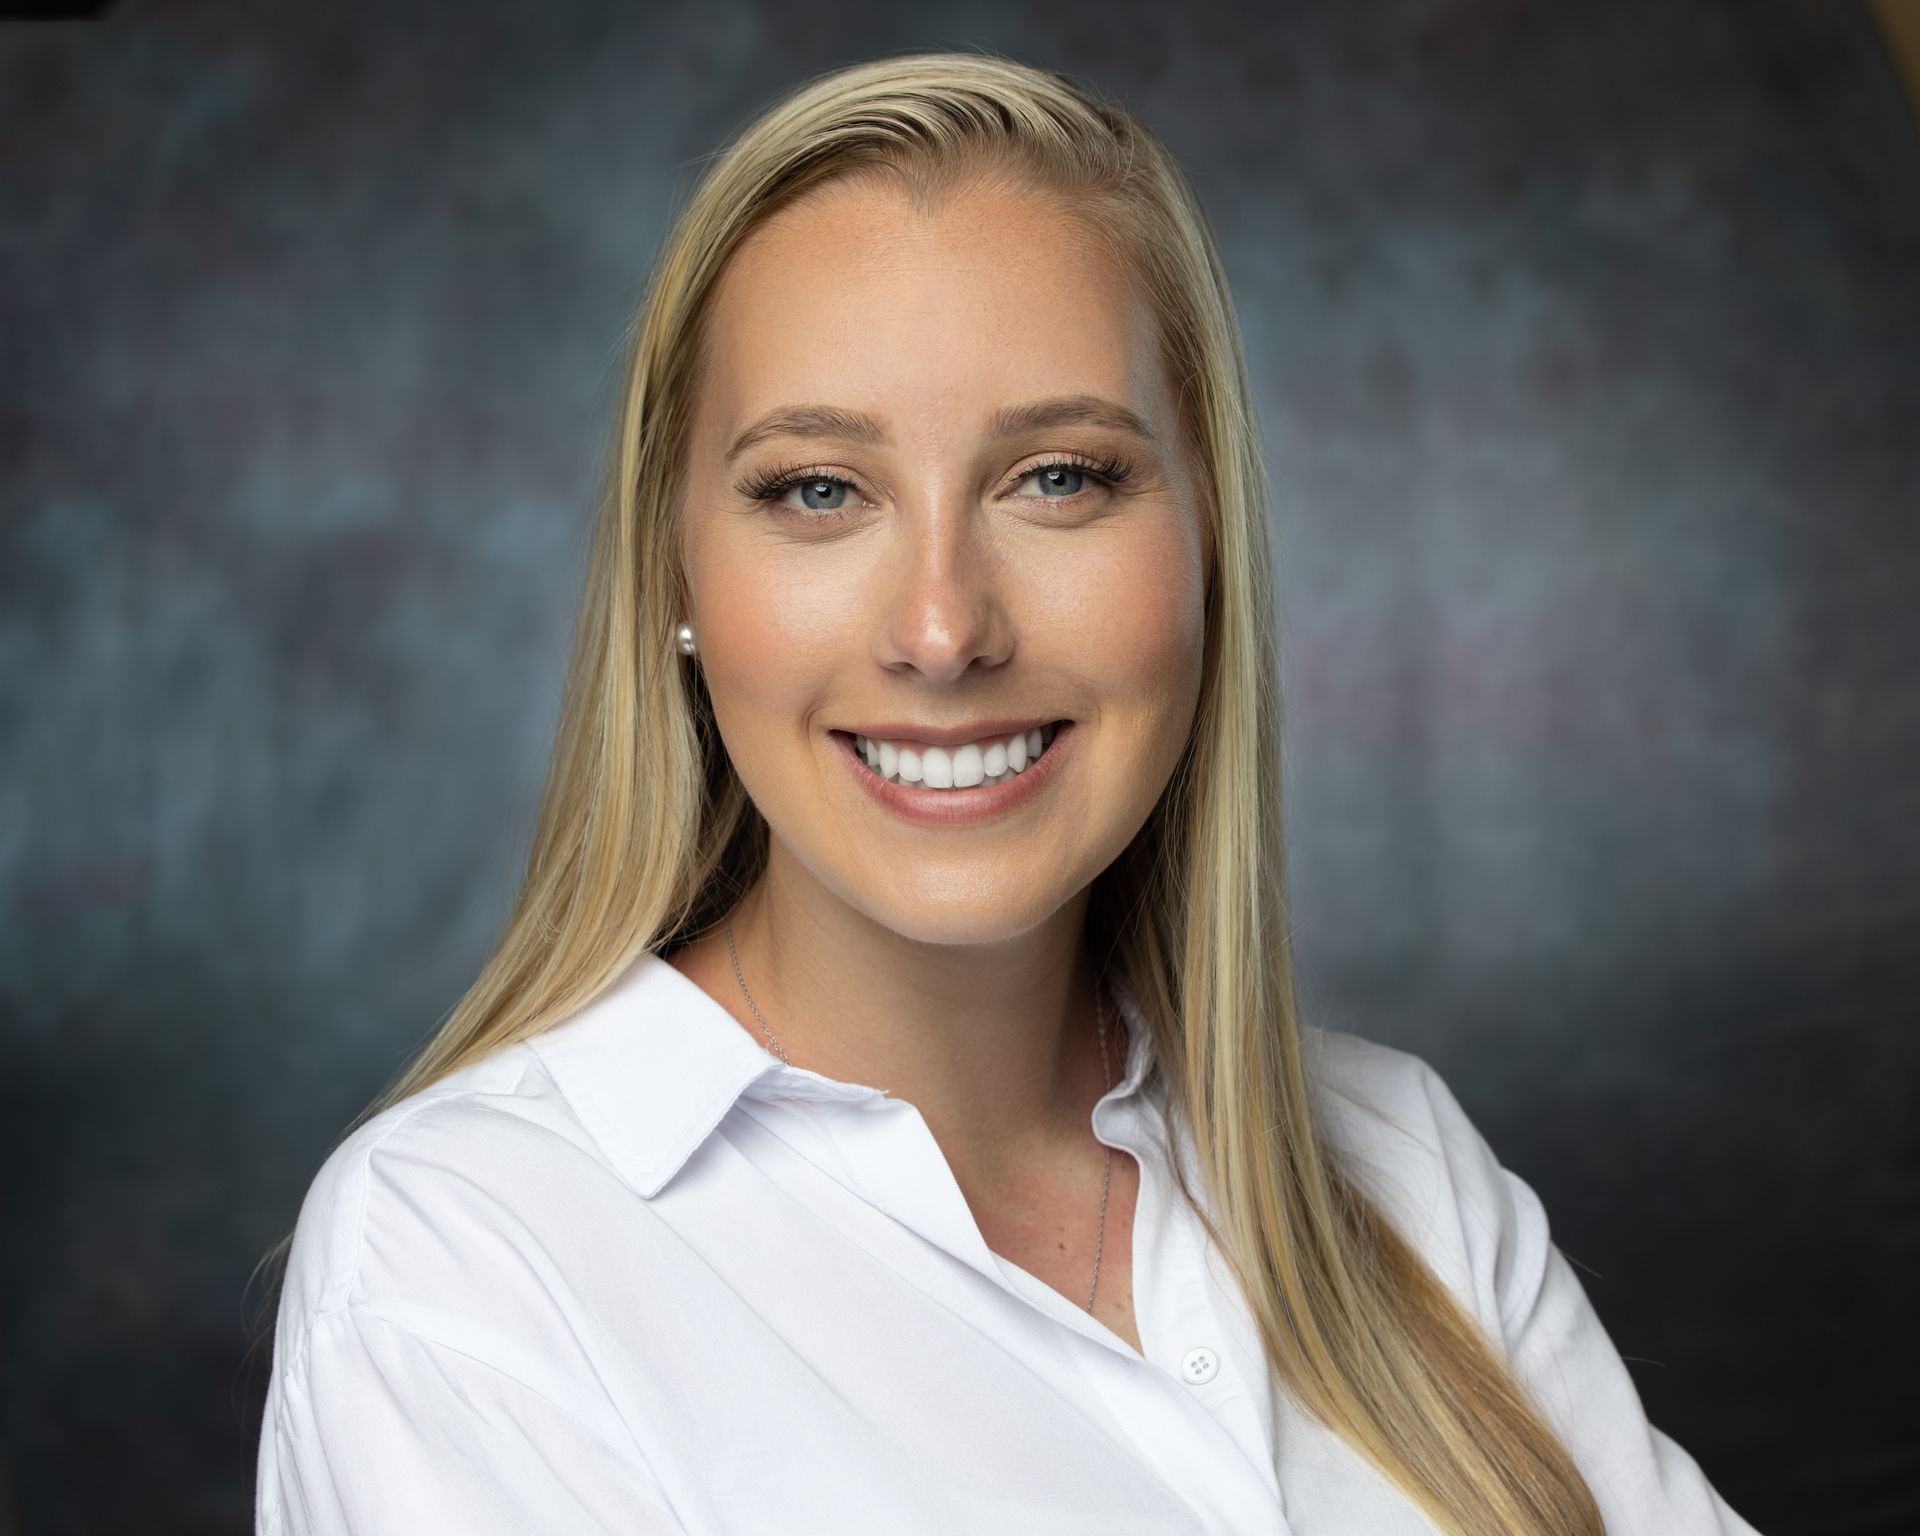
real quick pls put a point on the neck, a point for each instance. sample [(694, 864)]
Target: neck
[(995, 1044)]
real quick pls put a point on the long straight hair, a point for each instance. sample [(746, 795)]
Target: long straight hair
[(646, 836)]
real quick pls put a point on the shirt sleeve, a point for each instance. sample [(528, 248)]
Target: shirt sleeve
[(373, 1430), (1557, 1347)]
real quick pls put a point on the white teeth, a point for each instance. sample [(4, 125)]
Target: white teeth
[(978, 762)]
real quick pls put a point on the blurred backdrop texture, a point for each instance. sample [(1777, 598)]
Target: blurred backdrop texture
[(1587, 346)]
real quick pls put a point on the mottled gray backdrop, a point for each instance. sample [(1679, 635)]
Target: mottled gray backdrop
[(1587, 342)]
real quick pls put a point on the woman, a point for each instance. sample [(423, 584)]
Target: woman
[(912, 847)]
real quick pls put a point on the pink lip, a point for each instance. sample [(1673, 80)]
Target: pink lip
[(959, 807)]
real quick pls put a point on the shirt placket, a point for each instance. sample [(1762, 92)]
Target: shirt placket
[(1194, 1384)]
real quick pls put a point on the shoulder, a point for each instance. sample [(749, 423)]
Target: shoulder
[(1390, 1122), (409, 1200), (1381, 1102), (470, 1237)]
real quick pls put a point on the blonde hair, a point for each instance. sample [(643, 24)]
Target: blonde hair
[(645, 835)]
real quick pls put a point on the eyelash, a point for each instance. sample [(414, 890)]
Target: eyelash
[(775, 483)]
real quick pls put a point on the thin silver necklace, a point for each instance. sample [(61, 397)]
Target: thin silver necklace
[(1106, 1071)]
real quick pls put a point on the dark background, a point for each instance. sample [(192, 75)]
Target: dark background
[(1587, 344)]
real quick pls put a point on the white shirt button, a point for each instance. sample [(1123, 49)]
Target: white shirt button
[(1200, 1365)]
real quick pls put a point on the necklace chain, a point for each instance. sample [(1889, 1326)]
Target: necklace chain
[(1106, 1072)]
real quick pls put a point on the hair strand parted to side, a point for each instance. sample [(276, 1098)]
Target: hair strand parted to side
[(645, 836)]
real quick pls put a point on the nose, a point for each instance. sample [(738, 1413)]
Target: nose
[(943, 609)]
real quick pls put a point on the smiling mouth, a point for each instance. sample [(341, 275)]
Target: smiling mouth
[(979, 764)]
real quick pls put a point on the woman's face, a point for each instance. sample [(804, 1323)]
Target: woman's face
[(904, 558)]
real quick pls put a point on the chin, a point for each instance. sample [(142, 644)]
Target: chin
[(962, 909)]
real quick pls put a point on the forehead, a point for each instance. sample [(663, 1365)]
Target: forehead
[(852, 298)]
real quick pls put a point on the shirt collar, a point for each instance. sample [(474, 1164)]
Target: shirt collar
[(653, 1064)]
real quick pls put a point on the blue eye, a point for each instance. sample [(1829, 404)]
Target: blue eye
[(1050, 474), (825, 485)]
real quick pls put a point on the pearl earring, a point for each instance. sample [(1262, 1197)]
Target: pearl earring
[(686, 639)]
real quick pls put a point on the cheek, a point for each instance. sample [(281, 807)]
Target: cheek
[(769, 634), (1146, 606)]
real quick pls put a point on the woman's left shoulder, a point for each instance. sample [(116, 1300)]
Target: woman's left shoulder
[(1390, 1121), (1380, 1093)]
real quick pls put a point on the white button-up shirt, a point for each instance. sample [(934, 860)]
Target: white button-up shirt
[(637, 1275)]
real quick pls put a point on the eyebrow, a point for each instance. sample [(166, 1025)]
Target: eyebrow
[(856, 427)]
